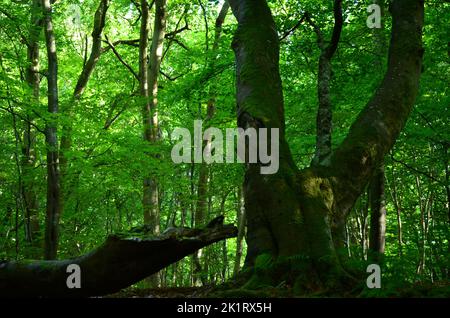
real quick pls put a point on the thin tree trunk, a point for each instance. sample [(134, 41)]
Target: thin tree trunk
[(224, 246), (362, 218), (204, 169), (149, 90), (423, 228), (377, 183), (241, 231), (377, 215), (324, 112), (149, 87), (446, 146), (32, 227), (203, 182), (447, 179), (51, 138), (398, 209)]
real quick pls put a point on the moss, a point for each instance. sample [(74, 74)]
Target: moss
[(258, 281), (263, 261)]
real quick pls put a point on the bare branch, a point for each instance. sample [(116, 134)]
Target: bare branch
[(409, 167), (12, 112), (121, 59), (291, 30)]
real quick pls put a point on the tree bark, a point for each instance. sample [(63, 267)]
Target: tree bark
[(51, 138), (324, 117), (398, 208), (377, 215), (260, 104), (118, 263), (32, 227), (241, 232), (324, 113), (377, 127), (377, 184), (148, 73), (149, 88), (294, 212)]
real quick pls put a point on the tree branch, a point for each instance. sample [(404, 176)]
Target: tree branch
[(320, 39), (169, 77), (295, 27), (23, 118), (134, 43), (378, 125), (409, 167), (175, 32), (337, 29), (99, 25), (121, 59)]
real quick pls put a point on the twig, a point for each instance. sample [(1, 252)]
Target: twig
[(23, 118), (317, 30), (134, 43), (416, 170), (169, 77), (173, 33), (120, 58), (295, 27)]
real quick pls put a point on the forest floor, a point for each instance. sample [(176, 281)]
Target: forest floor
[(170, 292), (439, 289)]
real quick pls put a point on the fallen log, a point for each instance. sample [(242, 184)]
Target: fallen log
[(118, 263)]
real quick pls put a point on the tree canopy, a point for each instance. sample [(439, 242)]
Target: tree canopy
[(91, 94)]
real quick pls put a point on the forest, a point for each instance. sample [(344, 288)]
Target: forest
[(224, 148)]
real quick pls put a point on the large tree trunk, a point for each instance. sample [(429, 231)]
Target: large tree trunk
[(294, 212), (51, 138), (118, 263)]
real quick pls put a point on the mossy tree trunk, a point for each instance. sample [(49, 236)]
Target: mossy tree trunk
[(294, 212), (116, 264)]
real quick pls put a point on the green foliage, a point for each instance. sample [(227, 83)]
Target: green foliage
[(109, 156)]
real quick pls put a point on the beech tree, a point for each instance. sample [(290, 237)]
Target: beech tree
[(51, 138), (302, 212), (90, 124)]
